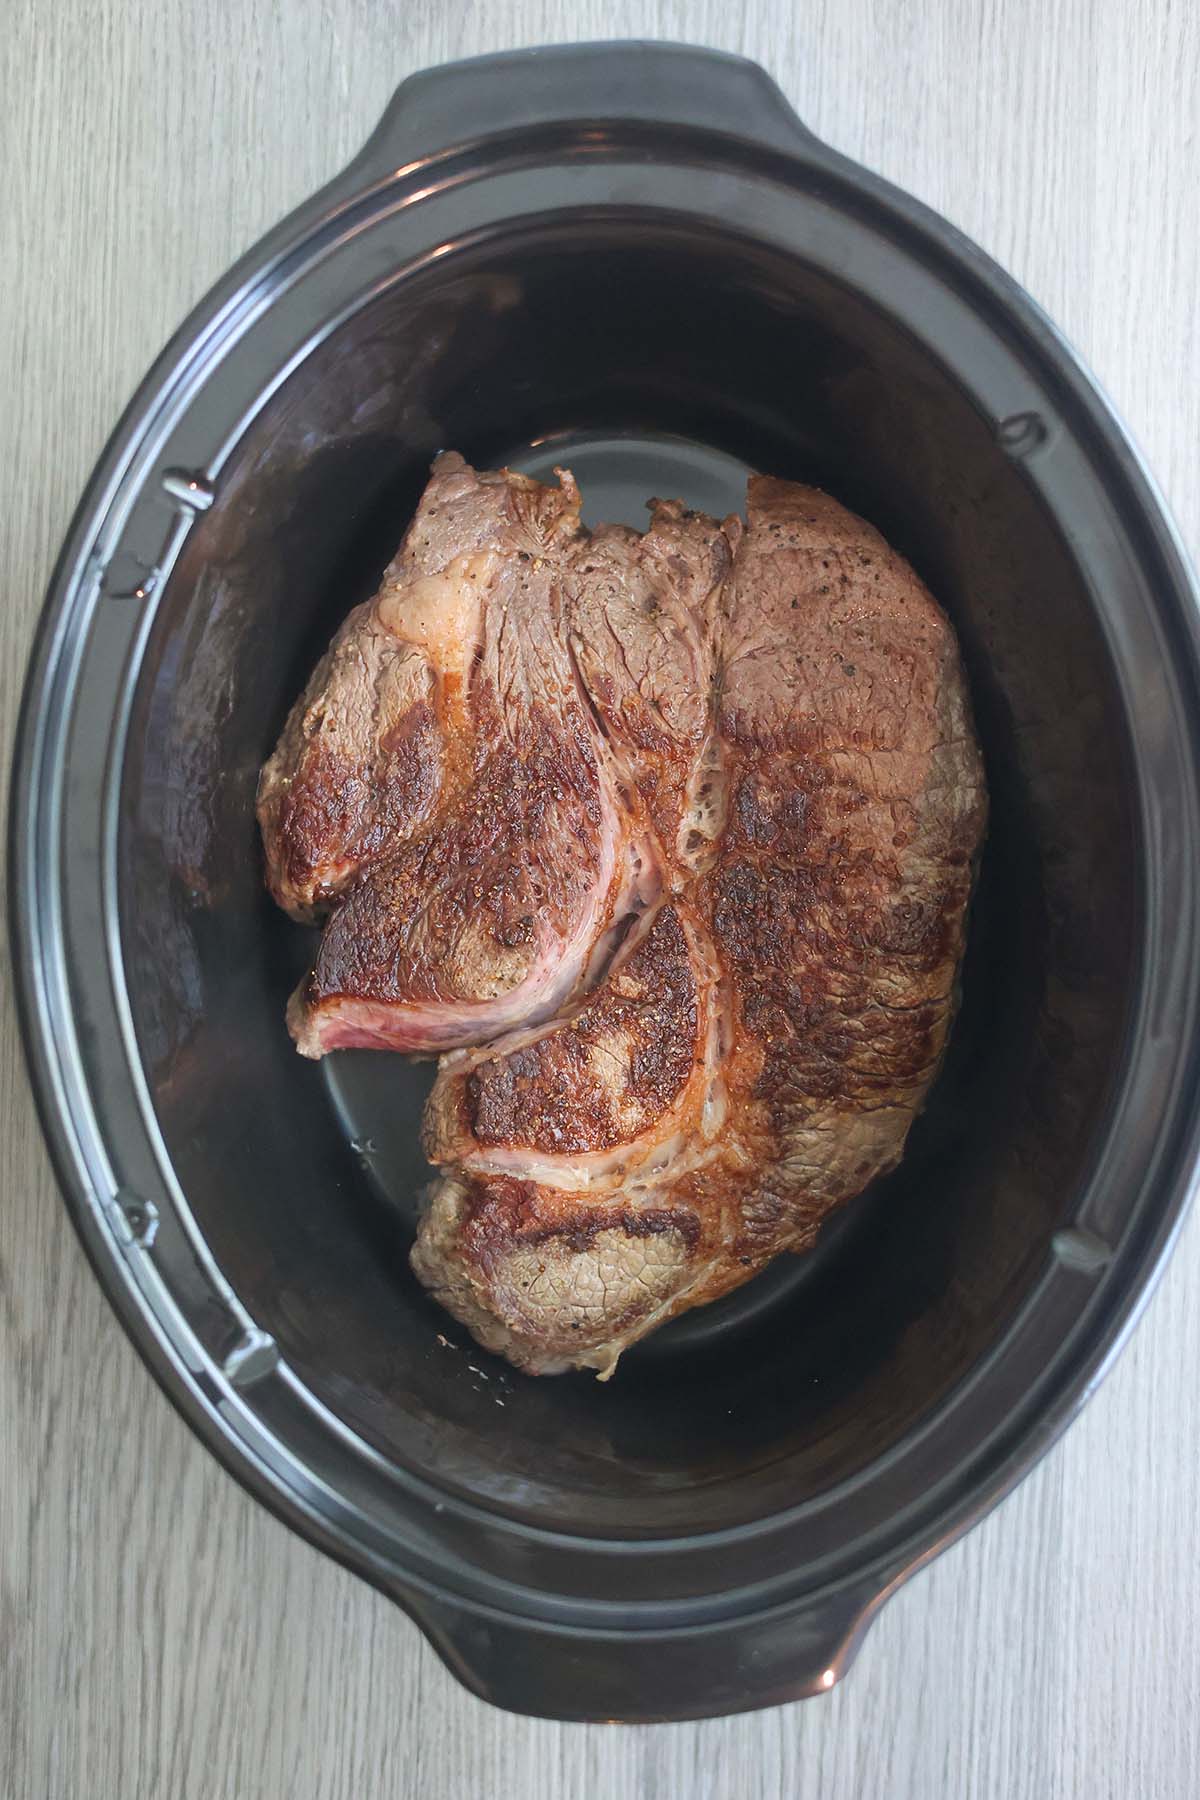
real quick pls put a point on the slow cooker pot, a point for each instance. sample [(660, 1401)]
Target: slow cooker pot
[(635, 259)]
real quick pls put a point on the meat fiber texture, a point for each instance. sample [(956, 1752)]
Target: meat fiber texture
[(664, 843)]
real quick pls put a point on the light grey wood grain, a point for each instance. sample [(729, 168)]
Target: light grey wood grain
[(160, 1635)]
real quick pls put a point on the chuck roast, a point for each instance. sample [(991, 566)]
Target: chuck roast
[(664, 841)]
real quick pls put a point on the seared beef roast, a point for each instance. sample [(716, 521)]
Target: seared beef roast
[(666, 842)]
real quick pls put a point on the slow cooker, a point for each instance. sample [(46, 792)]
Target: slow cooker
[(634, 259)]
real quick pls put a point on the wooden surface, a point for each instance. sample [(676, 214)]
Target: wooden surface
[(159, 1634)]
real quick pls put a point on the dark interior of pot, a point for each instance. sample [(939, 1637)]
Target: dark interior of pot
[(656, 360)]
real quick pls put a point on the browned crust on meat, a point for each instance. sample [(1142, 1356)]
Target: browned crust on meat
[(358, 767), (376, 741), (778, 718), (502, 1213), (453, 914), (363, 806), (856, 812), (609, 1073)]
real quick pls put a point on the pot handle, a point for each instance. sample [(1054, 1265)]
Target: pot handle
[(584, 84), (603, 1677)]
